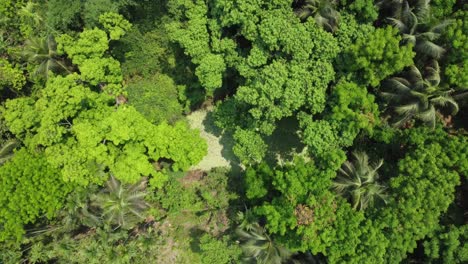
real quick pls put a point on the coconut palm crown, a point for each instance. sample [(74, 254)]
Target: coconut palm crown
[(357, 182), (122, 206), (413, 24), (43, 53), (419, 96), (258, 246)]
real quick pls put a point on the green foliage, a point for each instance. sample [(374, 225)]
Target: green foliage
[(156, 98), (30, 188), (320, 136), (448, 245), (89, 49), (442, 8), (257, 180), (350, 30), (286, 64), (457, 69), (91, 43), (364, 10), (250, 147), (197, 192), (351, 110), (217, 251), (83, 136), (457, 74), (303, 214), (146, 53), (423, 189), (42, 53), (100, 246), (11, 77), (115, 24), (276, 90), (61, 14), (194, 37), (376, 56)]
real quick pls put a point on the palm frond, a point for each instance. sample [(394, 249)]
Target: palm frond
[(391, 97), (429, 35), (400, 25), (433, 73), (399, 85), (407, 109), (446, 101), (429, 48), (428, 116), (6, 150), (441, 26), (422, 9)]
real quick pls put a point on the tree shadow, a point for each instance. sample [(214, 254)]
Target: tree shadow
[(284, 143), (225, 139)]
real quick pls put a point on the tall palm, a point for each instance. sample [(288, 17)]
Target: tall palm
[(410, 22), (357, 181), (418, 97), (258, 247), (121, 205), (43, 52), (323, 11), (6, 150)]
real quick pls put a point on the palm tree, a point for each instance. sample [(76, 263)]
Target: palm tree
[(258, 247), (323, 11), (43, 52), (6, 150), (409, 21), (418, 97), (120, 205), (357, 181)]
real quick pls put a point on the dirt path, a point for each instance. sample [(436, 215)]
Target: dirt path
[(218, 155)]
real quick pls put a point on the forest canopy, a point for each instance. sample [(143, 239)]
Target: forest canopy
[(233, 131)]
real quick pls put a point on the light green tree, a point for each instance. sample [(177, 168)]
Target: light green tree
[(30, 189), (375, 56)]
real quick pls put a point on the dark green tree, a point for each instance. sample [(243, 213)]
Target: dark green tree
[(423, 189), (447, 245)]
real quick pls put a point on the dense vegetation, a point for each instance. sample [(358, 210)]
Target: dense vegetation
[(347, 121)]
